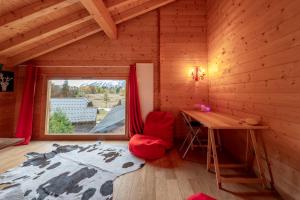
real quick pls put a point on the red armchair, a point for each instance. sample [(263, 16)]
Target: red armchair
[(157, 136)]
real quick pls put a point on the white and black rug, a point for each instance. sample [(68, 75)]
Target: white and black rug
[(69, 172)]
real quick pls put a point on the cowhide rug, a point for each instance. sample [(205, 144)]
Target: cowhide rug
[(69, 172)]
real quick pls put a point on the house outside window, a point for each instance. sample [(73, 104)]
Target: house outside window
[(89, 107)]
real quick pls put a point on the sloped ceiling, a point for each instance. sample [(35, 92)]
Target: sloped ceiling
[(32, 28)]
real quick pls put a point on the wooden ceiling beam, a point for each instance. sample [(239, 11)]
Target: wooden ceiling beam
[(83, 30), (141, 9), (113, 4), (80, 34), (100, 13), (43, 31), (33, 11)]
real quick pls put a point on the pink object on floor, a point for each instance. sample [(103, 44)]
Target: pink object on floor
[(200, 196)]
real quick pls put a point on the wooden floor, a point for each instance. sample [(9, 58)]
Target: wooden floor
[(169, 178), (6, 142)]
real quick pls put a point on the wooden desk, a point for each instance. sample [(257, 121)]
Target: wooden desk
[(5, 142), (217, 121)]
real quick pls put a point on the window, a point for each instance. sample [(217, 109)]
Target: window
[(86, 107)]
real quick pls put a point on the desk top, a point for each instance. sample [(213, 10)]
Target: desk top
[(216, 120)]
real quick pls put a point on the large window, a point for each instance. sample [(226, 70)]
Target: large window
[(86, 107)]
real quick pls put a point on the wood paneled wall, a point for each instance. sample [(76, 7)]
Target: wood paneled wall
[(251, 47), (254, 66), (173, 38), (7, 114), (183, 45), (137, 42), (7, 107)]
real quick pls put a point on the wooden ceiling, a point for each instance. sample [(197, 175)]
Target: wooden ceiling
[(31, 28)]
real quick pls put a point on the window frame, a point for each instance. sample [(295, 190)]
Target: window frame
[(82, 136)]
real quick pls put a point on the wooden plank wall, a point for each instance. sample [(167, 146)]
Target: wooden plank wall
[(134, 44), (137, 42), (7, 110), (7, 107), (183, 45), (173, 38), (254, 66)]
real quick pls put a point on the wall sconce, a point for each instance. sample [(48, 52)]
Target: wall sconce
[(198, 73)]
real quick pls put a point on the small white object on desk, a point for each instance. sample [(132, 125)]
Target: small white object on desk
[(251, 121)]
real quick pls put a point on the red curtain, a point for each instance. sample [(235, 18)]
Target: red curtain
[(24, 126), (135, 116)]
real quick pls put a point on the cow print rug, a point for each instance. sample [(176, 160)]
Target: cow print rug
[(69, 172)]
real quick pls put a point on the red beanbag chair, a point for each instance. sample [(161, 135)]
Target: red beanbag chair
[(147, 147), (160, 125), (157, 137), (200, 196)]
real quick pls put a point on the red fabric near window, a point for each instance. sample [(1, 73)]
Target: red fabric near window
[(135, 117), (24, 126)]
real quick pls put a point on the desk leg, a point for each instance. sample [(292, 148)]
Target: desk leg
[(268, 162), (258, 159), (215, 156), (208, 157), (219, 140), (247, 150)]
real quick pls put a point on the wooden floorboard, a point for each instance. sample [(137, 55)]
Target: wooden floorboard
[(169, 178), (6, 142)]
